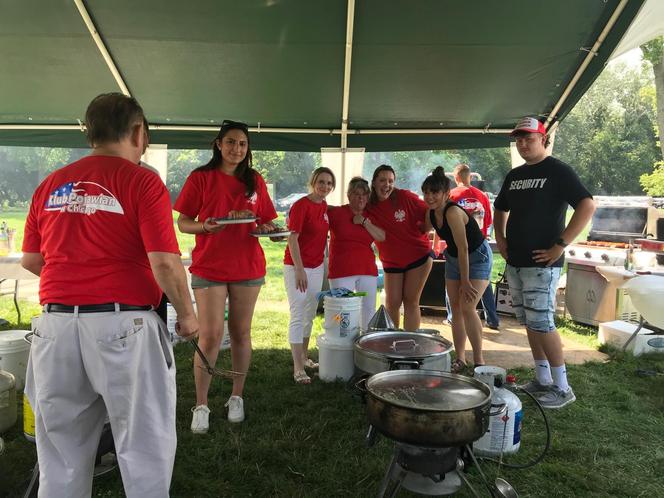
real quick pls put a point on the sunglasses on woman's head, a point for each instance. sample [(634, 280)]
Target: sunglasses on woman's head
[(227, 123)]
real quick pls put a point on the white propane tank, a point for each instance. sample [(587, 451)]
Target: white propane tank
[(504, 433)]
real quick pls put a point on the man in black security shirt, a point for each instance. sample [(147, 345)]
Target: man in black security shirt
[(532, 204)]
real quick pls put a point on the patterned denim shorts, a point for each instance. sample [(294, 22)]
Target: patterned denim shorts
[(480, 262), (533, 292)]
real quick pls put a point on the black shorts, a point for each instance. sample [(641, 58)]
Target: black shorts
[(412, 265)]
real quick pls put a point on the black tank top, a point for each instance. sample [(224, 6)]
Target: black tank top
[(473, 233)]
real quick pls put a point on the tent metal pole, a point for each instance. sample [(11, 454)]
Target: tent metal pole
[(350, 19), (39, 127), (432, 131), (347, 67), (313, 131), (586, 62), (101, 46)]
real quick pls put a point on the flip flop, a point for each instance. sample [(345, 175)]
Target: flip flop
[(301, 377), (311, 364)]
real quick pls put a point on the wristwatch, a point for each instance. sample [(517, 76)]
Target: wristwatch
[(561, 242)]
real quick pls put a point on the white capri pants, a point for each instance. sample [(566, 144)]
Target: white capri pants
[(302, 304), (360, 283), (83, 366)]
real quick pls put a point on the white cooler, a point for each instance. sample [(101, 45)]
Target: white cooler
[(618, 332)]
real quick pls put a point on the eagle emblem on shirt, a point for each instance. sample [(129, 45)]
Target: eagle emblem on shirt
[(400, 215)]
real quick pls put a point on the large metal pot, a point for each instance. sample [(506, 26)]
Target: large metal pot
[(428, 408), (384, 350)]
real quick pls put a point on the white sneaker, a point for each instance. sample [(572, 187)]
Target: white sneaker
[(200, 422), (225, 341), (235, 406)]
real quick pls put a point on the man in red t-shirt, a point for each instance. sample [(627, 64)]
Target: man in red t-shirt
[(100, 236), (476, 203)]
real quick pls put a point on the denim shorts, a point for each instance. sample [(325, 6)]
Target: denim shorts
[(203, 283), (480, 262), (533, 292)]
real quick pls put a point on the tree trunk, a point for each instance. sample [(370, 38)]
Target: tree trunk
[(659, 90)]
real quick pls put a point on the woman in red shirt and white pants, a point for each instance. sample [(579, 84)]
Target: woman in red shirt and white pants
[(406, 251), (303, 266), (227, 261), (352, 260)]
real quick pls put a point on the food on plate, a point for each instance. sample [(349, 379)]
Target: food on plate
[(268, 229)]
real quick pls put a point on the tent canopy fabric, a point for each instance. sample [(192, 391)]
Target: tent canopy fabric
[(648, 25), (423, 74)]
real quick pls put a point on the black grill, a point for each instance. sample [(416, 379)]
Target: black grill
[(619, 224)]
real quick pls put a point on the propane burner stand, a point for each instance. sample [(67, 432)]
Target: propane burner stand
[(428, 471)]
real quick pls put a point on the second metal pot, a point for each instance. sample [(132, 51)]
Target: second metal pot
[(384, 350)]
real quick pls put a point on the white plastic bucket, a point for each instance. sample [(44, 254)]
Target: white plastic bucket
[(7, 401), (14, 352), (342, 318), (335, 359)]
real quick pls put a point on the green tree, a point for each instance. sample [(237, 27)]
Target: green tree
[(492, 164), (609, 137), (288, 171), (181, 162), (22, 168), (653, 52), (653, 183)]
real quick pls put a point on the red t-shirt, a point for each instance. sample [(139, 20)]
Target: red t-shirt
[(310, 220), (475, 203), (94, 222), (401, 217), (350, 245), (232, 254)]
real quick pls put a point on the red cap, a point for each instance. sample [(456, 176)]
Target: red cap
[(528, 125)]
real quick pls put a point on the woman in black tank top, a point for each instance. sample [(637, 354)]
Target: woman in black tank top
[(467, 267)]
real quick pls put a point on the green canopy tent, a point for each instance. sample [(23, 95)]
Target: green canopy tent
[(304, 74)]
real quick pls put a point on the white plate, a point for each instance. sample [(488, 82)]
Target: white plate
[(284, 233), (233, 221)]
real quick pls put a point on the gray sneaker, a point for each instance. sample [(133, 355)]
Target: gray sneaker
[(557, 398), (536, 387)]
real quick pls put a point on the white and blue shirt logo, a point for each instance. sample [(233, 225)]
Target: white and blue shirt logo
[(83, 198)]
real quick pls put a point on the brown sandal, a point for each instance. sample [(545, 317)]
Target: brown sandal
[(458, 366), (301, 377)]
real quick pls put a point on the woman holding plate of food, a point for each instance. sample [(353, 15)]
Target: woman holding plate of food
[(222, 203)]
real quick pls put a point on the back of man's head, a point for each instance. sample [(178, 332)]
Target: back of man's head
[(462, 172), (111, 117)]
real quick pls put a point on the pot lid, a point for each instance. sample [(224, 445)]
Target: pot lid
[(403, 345), (429, 390)]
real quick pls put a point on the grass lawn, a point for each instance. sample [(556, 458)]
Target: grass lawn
[(308, 441)]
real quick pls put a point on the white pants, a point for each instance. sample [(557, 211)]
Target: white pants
[(302, 304), (83, 366), (360, 283)]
